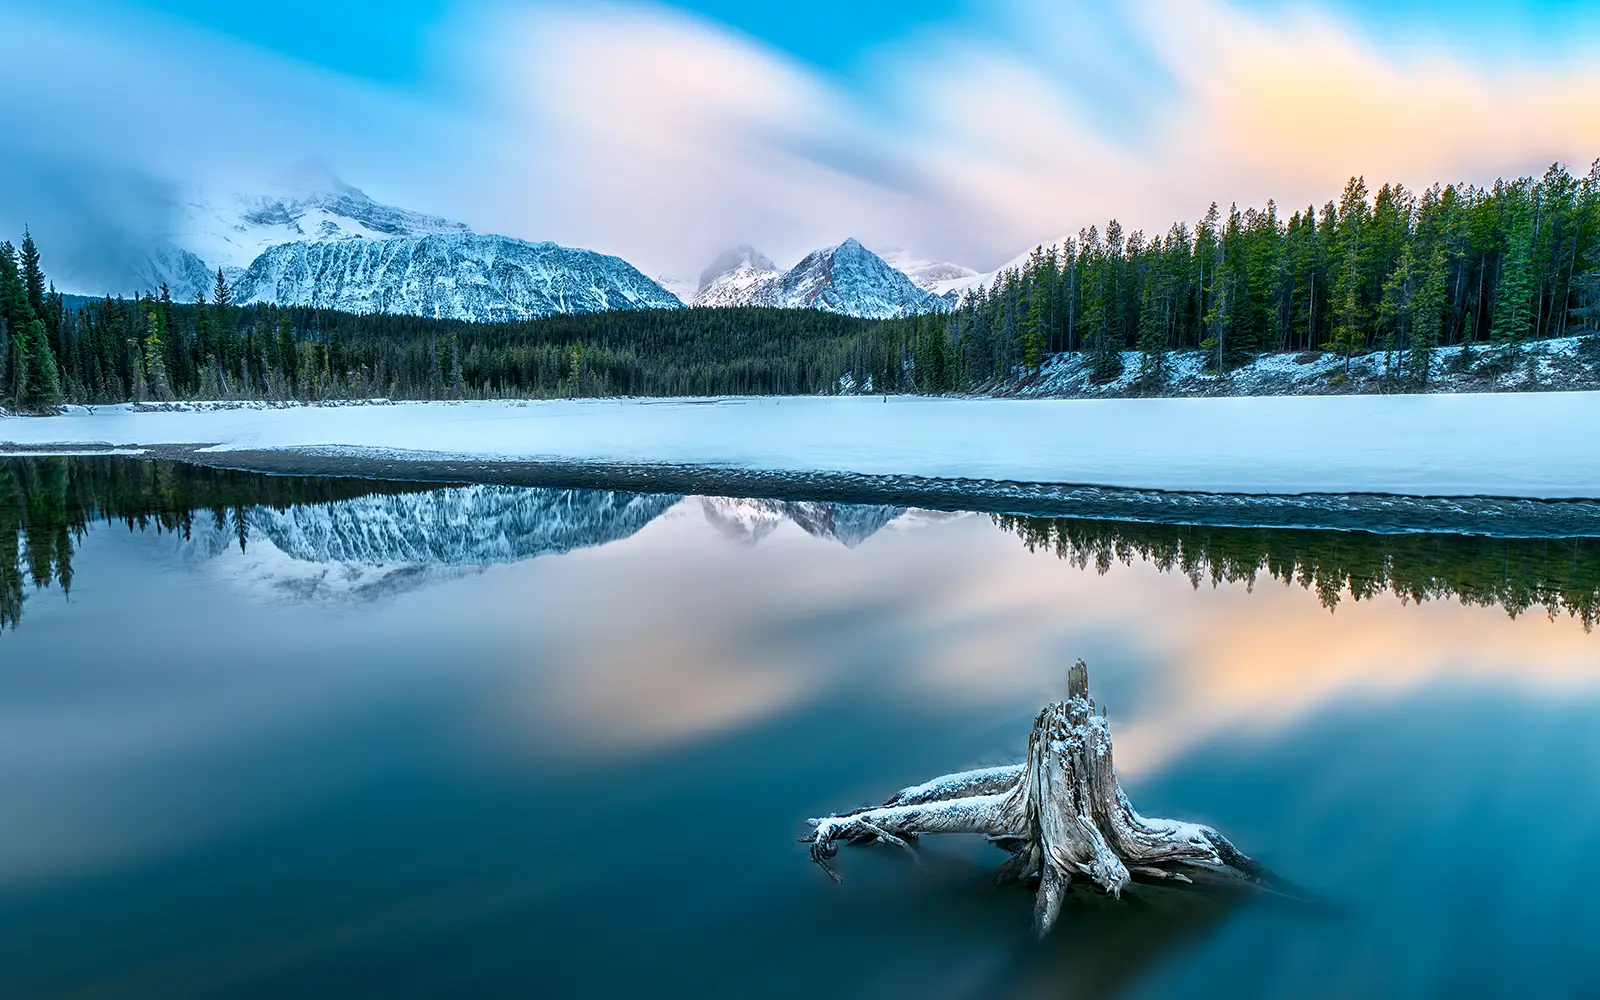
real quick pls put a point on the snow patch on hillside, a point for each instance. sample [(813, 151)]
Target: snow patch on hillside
[(230, 230), (935, 276), (1563, 363), (462, 276)]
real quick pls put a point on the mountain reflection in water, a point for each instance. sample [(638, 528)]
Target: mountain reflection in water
[(449, 764), (383, 537)]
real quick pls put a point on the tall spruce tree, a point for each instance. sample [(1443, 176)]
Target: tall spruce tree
[(1427, 315), (32, 273), (1513, 311), (157, 382)]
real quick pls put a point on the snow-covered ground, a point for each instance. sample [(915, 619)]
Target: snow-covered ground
[(1560, 363), (1499, 444)]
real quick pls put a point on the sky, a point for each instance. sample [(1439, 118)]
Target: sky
[(964, 130)]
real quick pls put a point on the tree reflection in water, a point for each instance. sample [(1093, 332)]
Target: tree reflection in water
[(47, 505), (1557, 574)]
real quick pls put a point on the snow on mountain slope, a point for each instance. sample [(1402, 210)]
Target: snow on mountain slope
[(459, 276), (231, 230), (681, 287), (184, 274), (750, 520), (854, 281), (928, 275), (731, 259), (954, 288), (745, 285), (739, 276), (379, 545), (847, 279)]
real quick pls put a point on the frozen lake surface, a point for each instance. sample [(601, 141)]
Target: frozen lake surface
[(1498, 444)]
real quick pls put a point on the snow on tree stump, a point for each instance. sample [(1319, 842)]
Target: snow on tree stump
[(1062, 816)]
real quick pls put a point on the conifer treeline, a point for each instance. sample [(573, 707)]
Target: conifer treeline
[(47, 504), (1557, 574), (153, 349), (1395, 271)]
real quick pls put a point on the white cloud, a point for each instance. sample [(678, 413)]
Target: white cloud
[(659, 136)]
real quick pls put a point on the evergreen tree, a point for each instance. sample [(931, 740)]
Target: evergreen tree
[(1034, 342), (226, 355), (1398, 302), (1513, 312), (1427, 315), (1152, 337), (1348, 336), (38, 380), (32, 274), (157, 382)]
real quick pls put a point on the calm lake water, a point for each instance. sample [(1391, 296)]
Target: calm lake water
[(265, 737)]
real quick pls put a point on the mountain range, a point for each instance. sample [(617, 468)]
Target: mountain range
[(379, 545), (847, 279), (447, 276), (310, 239)]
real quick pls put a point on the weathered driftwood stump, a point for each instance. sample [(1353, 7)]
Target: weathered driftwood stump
[(1061, 815)]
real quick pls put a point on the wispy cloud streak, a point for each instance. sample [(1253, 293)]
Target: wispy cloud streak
[(642, 130)]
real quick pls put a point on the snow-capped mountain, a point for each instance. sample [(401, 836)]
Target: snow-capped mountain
[(749, 521), (230, 230), (184, 274), (954, 288), (852, 280), (376, 546), (740, 276), (456, 276), (745, 285), (683, 288), (742, 256), (928, 275), (311, 239), (847, 279), (379, 545)]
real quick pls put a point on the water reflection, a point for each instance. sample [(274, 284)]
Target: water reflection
[(47, 504), (1557, 574), (582, 774), (378, 538), (751, 520)]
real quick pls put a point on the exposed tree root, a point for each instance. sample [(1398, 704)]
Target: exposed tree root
[(1061, 815)]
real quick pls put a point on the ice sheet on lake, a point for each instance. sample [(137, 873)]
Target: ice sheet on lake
[(1499, 444)]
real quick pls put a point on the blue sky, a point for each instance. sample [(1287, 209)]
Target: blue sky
[(388, 39), (665, 130)]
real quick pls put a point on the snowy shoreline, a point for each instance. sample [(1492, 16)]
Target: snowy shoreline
[(1558, 364), (1526, 445)]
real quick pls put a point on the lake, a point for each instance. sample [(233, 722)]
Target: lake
[(268, 736)]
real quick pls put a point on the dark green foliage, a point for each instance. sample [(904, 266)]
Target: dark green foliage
[(32, 273), (1524, 254), (46, 505), (1557, 574), (37, 382)]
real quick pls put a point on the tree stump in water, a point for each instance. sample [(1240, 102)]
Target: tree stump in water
[(1061, 815)]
